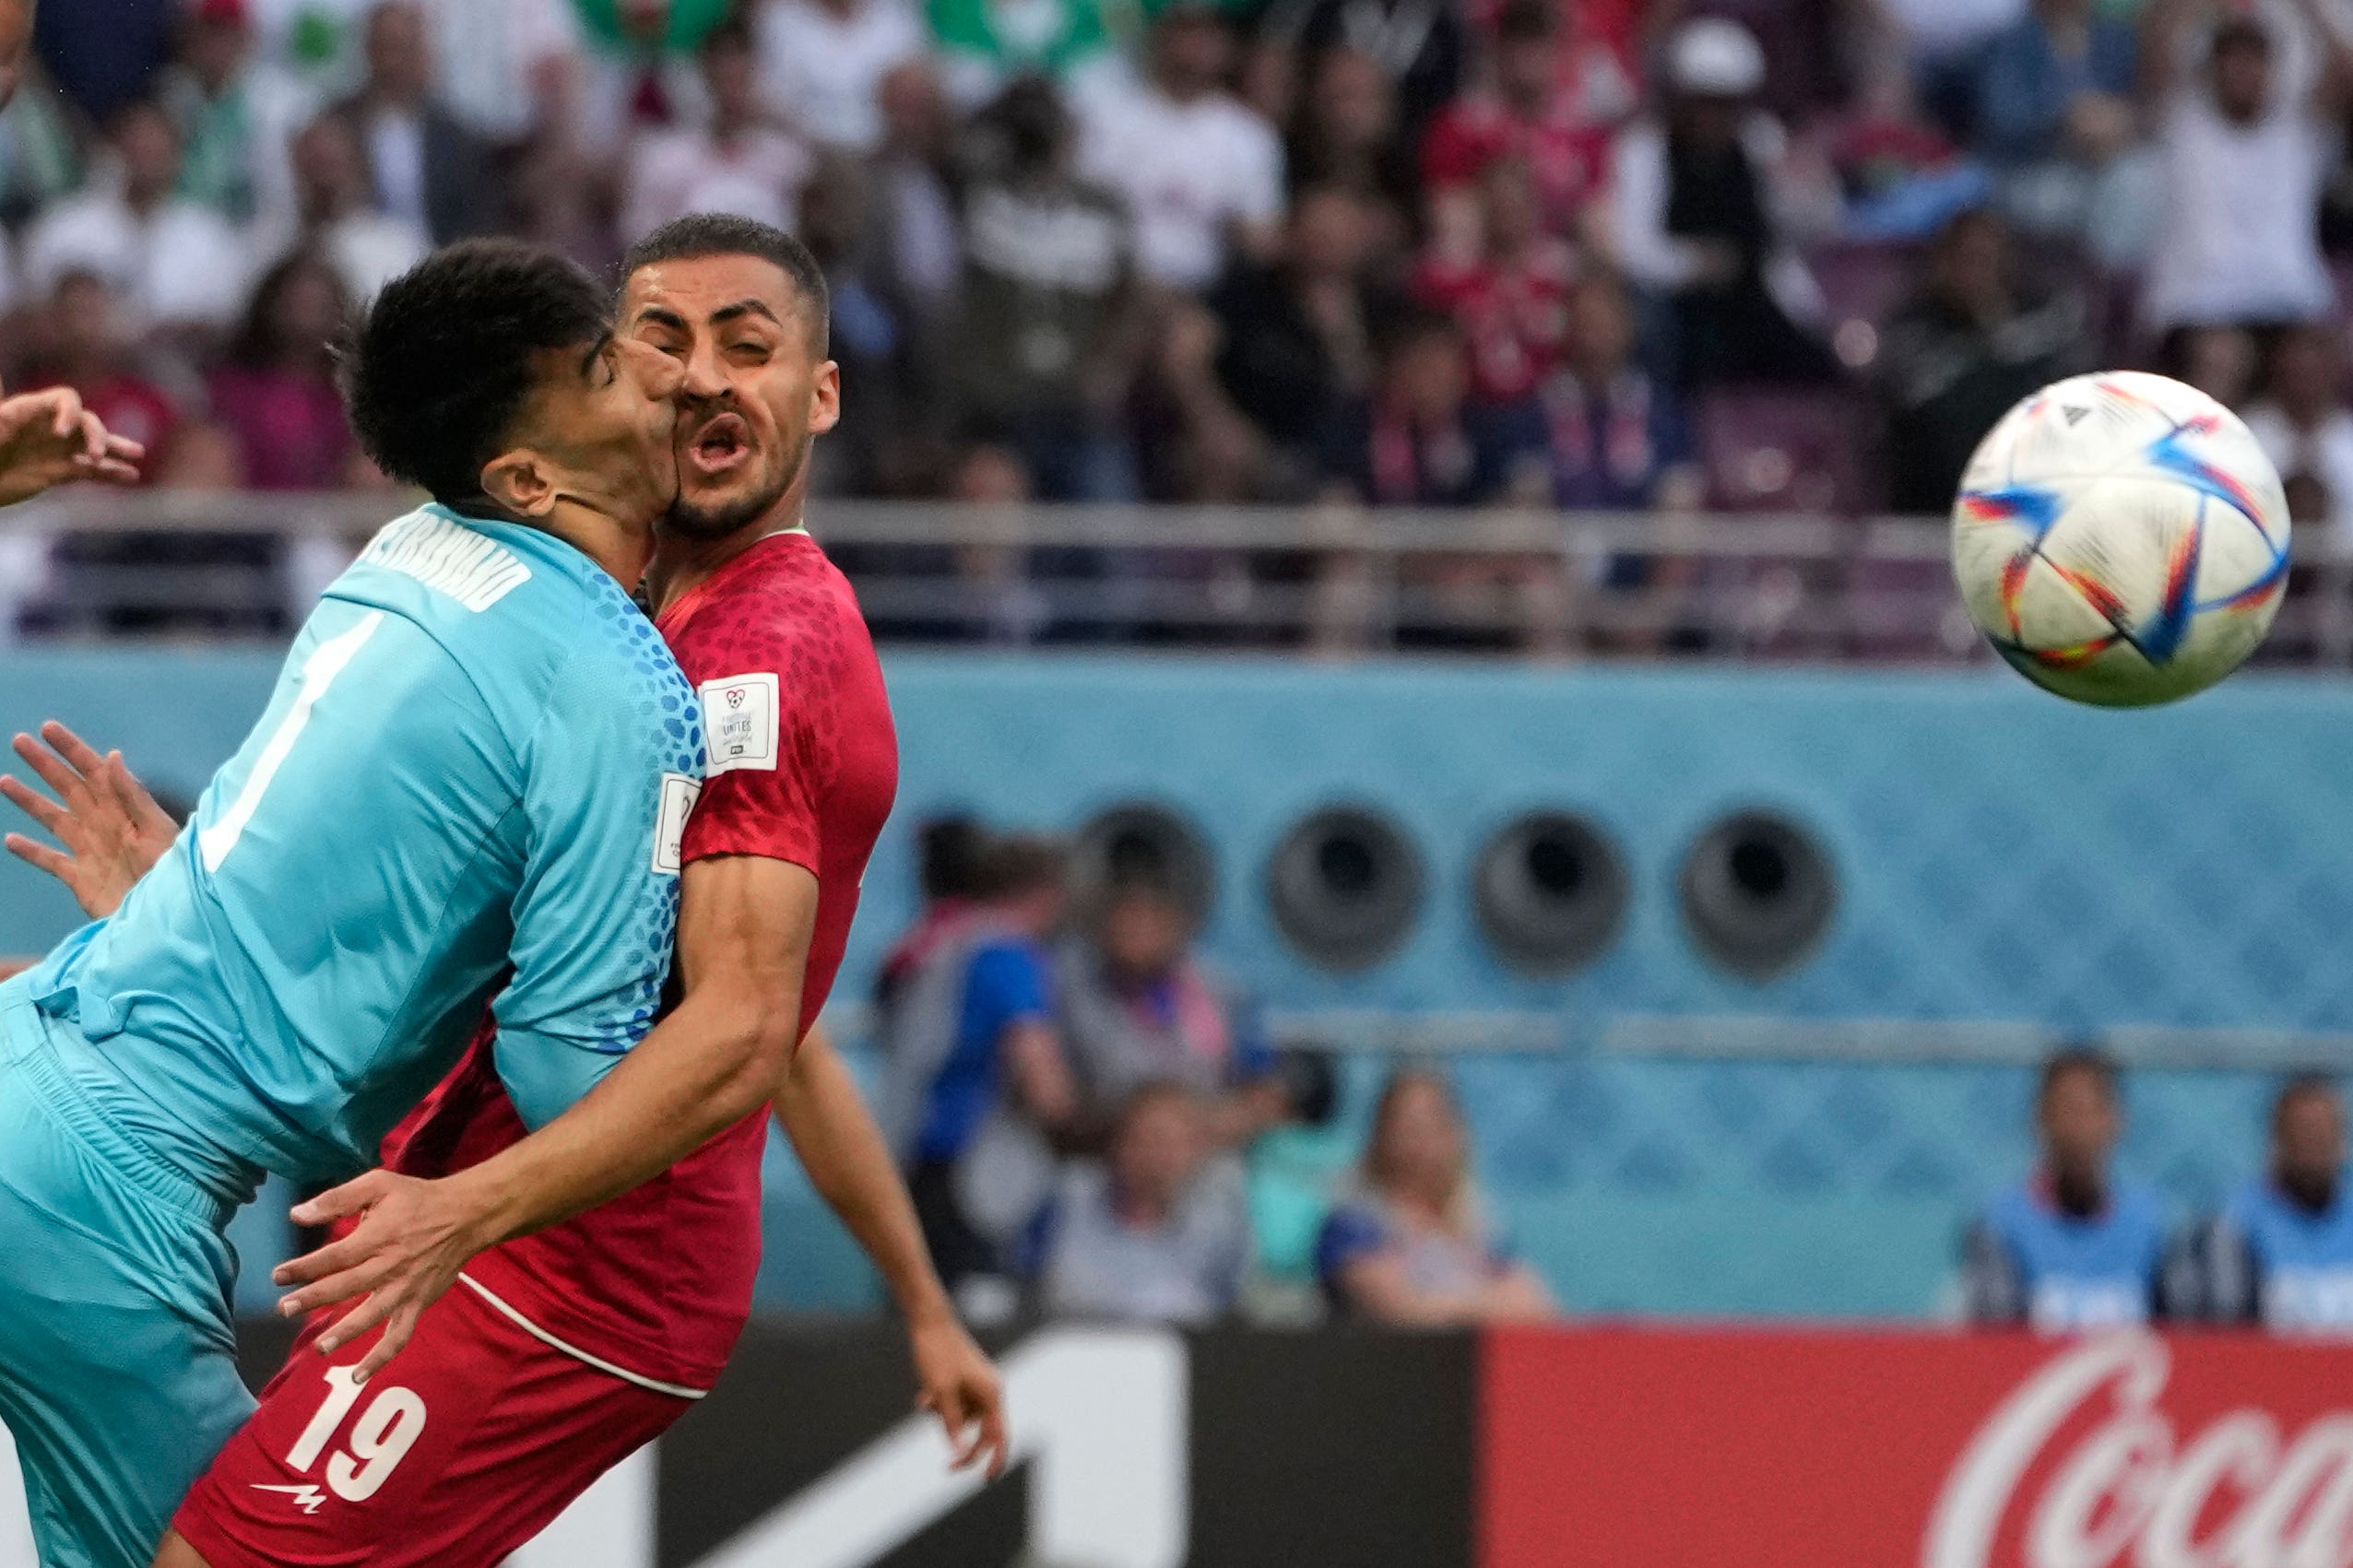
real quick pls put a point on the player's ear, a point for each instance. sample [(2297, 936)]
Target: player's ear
[(521, 482), (826, 399)]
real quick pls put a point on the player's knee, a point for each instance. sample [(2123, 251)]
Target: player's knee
[(177, 1553)]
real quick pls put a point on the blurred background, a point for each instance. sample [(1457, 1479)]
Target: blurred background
[(1444, 784)]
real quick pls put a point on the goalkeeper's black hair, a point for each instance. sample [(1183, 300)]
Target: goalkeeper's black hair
[(437, 371)]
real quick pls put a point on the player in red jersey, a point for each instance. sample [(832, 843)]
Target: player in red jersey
[(563, 1352)]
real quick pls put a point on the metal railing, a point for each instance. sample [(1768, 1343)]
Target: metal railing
[(1334, 580)]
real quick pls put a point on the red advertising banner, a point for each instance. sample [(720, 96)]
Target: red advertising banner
[(1663, 1448)]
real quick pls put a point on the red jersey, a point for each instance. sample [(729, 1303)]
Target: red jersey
[(803, 764), (1514, 314), (1566, 146)]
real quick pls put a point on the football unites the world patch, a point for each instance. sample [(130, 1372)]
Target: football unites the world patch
[(739, 716)]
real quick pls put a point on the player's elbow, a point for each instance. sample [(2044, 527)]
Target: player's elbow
[(755, 1049)]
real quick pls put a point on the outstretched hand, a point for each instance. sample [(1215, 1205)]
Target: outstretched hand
[(413, 1238), (111, 828), (48, 438), (960, 1385)]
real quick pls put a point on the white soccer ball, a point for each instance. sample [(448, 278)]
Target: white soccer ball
[(2122, 539)]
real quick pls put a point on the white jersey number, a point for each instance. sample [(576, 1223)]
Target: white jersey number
[(378, 1441), (327, 661)]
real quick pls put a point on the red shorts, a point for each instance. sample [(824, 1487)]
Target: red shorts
[(466, 1445)]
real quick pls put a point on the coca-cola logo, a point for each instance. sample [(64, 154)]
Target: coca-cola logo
[(2082, 1468)]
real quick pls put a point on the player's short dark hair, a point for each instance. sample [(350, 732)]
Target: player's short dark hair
[(2302, 1085), (700, 234), (2071, 1059), (439, 368)]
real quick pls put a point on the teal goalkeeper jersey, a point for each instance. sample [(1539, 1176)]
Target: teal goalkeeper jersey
[(478, 762)]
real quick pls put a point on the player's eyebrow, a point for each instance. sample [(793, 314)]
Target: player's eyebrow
[(660, 317), (726, 313)]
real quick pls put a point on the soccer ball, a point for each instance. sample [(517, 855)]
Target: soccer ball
[(2120, 539)]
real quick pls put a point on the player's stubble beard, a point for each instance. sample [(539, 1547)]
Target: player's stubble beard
[(719, 519)]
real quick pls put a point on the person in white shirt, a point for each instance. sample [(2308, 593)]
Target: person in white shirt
[(2302, 422), (737, 164), (174, 263), (367, 248), (1200, 172), (1710, 203), (823, 64), (2244, 163)]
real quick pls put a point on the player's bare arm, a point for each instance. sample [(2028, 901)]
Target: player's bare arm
[(744, 925), (850, 1164)]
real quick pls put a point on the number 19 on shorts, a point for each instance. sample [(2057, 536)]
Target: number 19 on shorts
[(379, 1438)]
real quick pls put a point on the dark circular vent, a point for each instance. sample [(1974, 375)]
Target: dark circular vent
[(1138, 841), (1345, 886), (1758, 894), (1550, 892)]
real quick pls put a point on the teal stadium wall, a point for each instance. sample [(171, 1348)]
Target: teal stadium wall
[(2005, 859)]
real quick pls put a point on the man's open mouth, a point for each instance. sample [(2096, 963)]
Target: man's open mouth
[(721, 446)]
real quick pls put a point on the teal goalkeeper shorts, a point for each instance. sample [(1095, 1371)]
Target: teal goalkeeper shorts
[(118, 1373)]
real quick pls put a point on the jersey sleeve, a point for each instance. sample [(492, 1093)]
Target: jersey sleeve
[(611, 774), (771, 749)]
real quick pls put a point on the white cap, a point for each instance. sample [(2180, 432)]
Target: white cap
[(1715, 57)]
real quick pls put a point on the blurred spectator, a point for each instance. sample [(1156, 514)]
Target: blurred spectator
[(2243, 168), (2070, 1248), (1156, 1233), (951, 853), (1711, 205), (508, 72), (985, 45), (1412, 1243), (1139, 1007), (1549, 104), (1423, 48), (1200, 171), (823, 64), (1417, 439), (735, 163), (2302, 421), (2281, 1251), (236, 115), (1296, 338), (40, 159), (1509, 290), (1899, 180), (169, 262), (1346, 133), (427, 169), (1048, 332), (976, 1080), (81, 339), (1618, 439), (2052, 110), (639, 65), (335, 216), (916, 243), (278, 391), (104, 55), (1967, 346), (2220, 361)]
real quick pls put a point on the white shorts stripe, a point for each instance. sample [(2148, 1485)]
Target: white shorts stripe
[(574, 1351)]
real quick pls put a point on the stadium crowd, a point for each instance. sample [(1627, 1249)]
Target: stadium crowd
[(1079, 1100), (1583, 252)]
